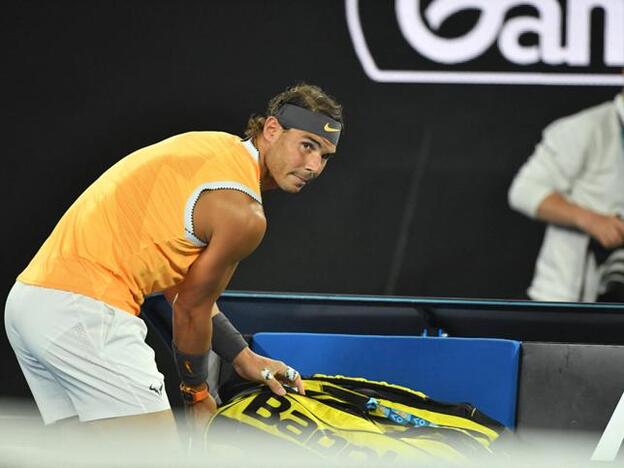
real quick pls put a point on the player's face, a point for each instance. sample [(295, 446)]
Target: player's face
[(297, 158)]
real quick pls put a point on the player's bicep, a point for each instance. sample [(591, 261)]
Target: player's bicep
[(236, 228)]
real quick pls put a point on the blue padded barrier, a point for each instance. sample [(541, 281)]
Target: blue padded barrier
[(480, 371)]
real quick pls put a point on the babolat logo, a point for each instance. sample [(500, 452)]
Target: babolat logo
[(275, 411), (566, 42)]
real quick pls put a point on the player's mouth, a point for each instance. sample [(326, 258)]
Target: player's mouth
[(301, 180)]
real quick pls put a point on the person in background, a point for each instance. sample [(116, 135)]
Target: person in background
[(574, 181)]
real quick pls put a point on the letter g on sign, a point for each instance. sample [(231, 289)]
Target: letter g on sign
[(445, 50)]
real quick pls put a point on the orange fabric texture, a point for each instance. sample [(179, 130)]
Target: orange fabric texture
[(124, 237)]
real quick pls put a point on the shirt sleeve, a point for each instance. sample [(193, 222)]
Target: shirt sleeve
[(556, 163)]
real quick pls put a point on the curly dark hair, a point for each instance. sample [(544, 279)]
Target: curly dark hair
[(304, 95)]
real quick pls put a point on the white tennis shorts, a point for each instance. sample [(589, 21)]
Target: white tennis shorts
[(82, 357)]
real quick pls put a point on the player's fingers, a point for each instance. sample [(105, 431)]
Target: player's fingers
[(290, 374), (299, 384), (292, 378), (270, 381)]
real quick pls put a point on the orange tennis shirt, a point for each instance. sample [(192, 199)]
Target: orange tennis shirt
[(130, 233)]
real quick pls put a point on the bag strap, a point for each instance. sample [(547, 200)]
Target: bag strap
[(373, 407), (408, 397)]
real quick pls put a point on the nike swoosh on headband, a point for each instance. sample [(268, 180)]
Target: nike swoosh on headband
[(292, 116)]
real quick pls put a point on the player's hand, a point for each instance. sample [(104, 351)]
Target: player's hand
[(272, 373), (607, 230), (199, 414)]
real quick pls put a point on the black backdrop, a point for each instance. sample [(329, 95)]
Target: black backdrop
[(414, 203)]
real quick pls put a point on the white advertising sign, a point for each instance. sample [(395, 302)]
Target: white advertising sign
[(572, 51)]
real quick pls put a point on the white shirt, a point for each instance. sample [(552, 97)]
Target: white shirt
[(582, 157)]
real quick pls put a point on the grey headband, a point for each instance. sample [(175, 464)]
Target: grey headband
[(291, 116)]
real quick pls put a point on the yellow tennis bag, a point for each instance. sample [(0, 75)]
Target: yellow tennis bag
[(353, 418)]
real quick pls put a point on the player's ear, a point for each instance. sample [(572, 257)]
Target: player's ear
[(272, 129)]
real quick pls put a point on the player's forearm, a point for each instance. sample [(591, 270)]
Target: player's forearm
[(227, 341), (556, 209), (192, 326)]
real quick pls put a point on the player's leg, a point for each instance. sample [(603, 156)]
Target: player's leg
[(97, 356), (50, 397)]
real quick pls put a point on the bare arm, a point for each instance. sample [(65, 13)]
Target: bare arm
[(234, 228), (171, 293), (233, 225), (539, 188), (556, 209), (607, 230)]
